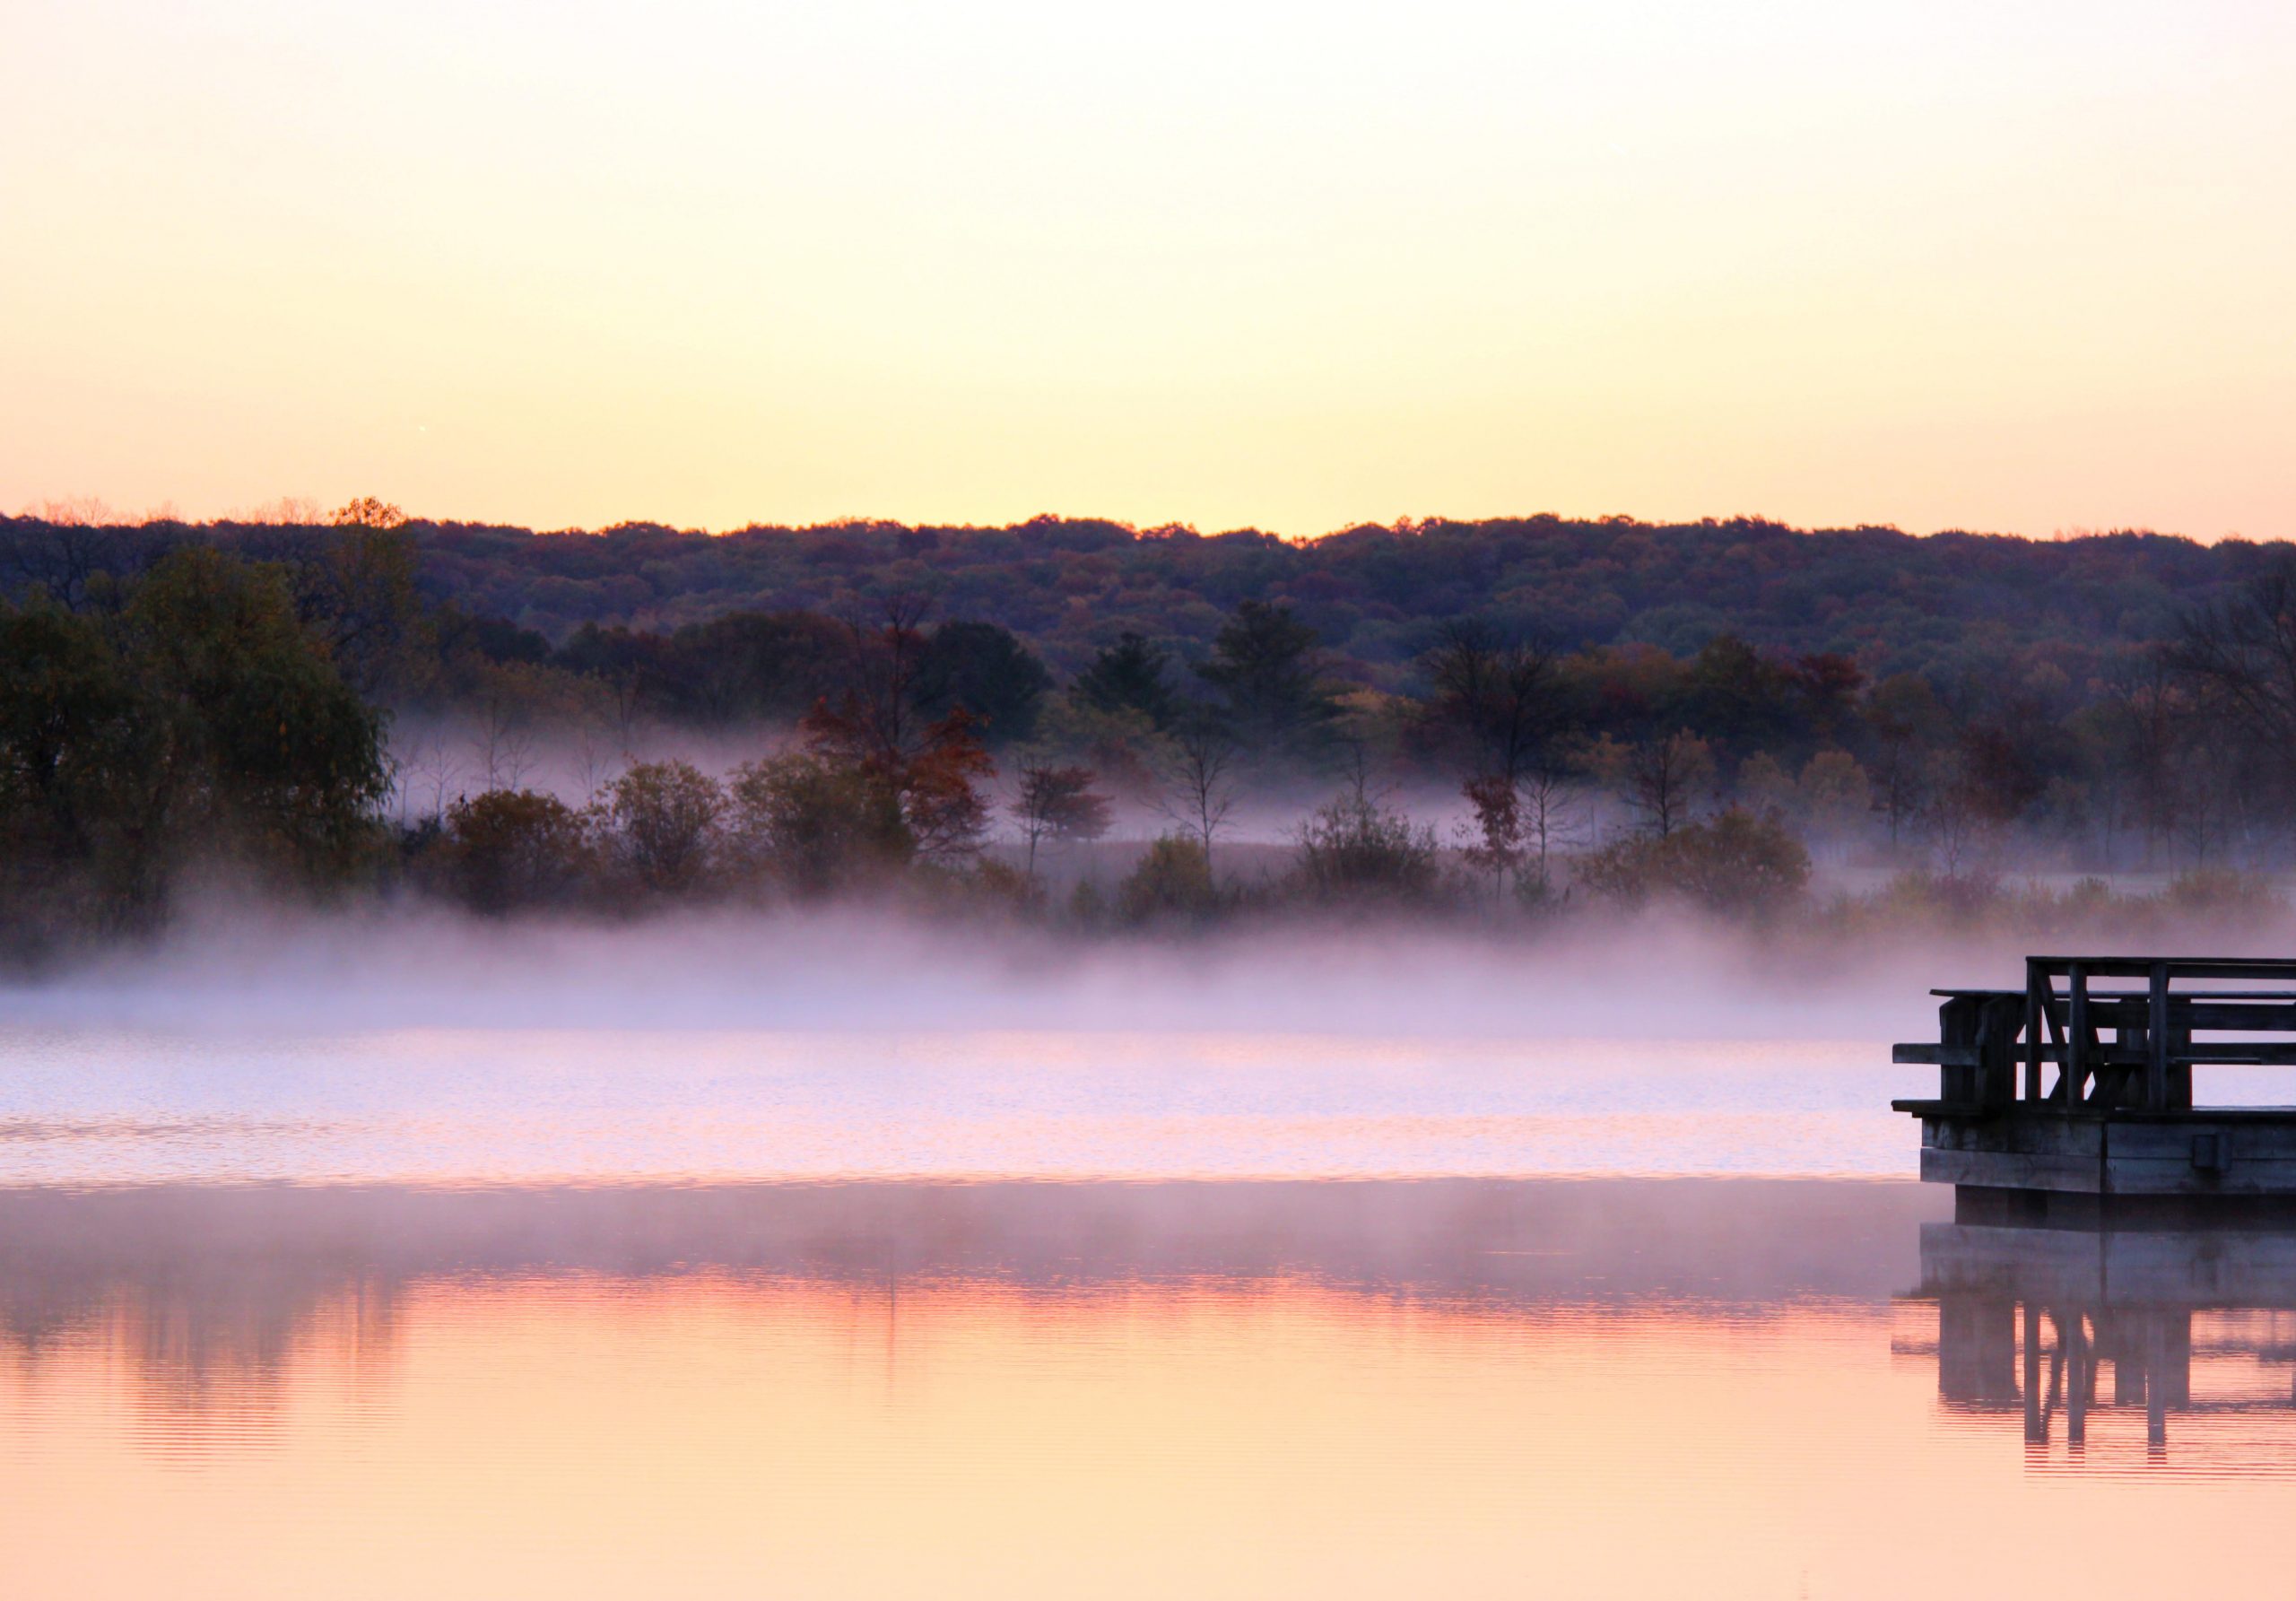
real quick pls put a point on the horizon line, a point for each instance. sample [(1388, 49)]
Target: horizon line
[(303, 512)]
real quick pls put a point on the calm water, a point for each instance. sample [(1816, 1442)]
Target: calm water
[(493, 1105), (495, 1314)]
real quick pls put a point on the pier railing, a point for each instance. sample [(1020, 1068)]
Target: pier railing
[(2122, 1032)]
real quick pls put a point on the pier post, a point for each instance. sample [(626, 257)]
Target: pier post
[(2034, 980), (2156, 1037), (2075, 1074)]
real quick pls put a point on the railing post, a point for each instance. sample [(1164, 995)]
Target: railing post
[(2034, 980), (2075, 1074), (2156, 1037)]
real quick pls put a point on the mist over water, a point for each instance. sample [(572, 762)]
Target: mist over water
[(399, 1252), (422, 1047), (840, 970)]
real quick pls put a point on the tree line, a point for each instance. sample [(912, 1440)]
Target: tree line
[(176, 703)]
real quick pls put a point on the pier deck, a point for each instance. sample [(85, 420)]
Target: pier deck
[(2081, 1084)]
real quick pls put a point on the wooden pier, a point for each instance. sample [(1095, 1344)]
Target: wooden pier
[(2075, 1092)]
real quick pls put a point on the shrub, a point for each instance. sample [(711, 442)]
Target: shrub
[(661, 823), (1173, 879), (816, 828), (2221, 892), (1353, 848), (512, 847), (1735, 864), (1087, 909)]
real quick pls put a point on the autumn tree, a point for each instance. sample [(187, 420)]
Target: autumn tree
[(816, 828), (513, 847), (662, 820), (1496, 705), (1495, 833), (931, 767), (1058, 804), (366, 512)]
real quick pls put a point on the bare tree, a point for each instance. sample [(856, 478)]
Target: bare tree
[(1550, 809), (517, 756), (1200, 788), (1497, 697), (433, 760), (877, 720), (1964, 829), (2146, 703), (1660, 780), (596, 762), (1496, 705), (2244, 648), (486, 743), (2237, 714)]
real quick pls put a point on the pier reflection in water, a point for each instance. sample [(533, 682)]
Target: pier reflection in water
[(1458, 1387), (2107, 1341)]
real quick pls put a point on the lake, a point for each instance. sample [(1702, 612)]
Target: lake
[(507, 1313)]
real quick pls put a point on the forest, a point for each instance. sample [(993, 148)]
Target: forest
[(1511, 719)]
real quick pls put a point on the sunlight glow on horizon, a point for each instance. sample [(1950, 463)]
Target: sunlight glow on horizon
[(1248, 263)]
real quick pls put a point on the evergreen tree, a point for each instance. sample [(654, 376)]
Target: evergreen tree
[(1272, 695), (1129, 677)]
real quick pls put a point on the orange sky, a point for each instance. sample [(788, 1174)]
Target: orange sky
[(1933, 261)]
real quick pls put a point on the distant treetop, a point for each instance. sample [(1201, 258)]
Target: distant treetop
[(1942, 605)]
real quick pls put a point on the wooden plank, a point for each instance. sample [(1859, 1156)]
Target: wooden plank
[(2256, 1016), (2252, 1053), (2011, 1170), (1933, 1056), (2180, 967), (2201, 1156), (2042, 1131), (2234, 1053)]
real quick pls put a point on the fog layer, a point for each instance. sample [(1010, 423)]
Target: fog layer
[(412, 966)]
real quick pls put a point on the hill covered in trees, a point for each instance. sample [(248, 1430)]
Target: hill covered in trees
[(1938, 605), (1613, 709)]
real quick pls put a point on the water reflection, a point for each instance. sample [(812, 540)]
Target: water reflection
[(197, 1286), (2108, 1341), (1459, 1387)]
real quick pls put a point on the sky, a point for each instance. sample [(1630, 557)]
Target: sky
[(2021, 265)]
